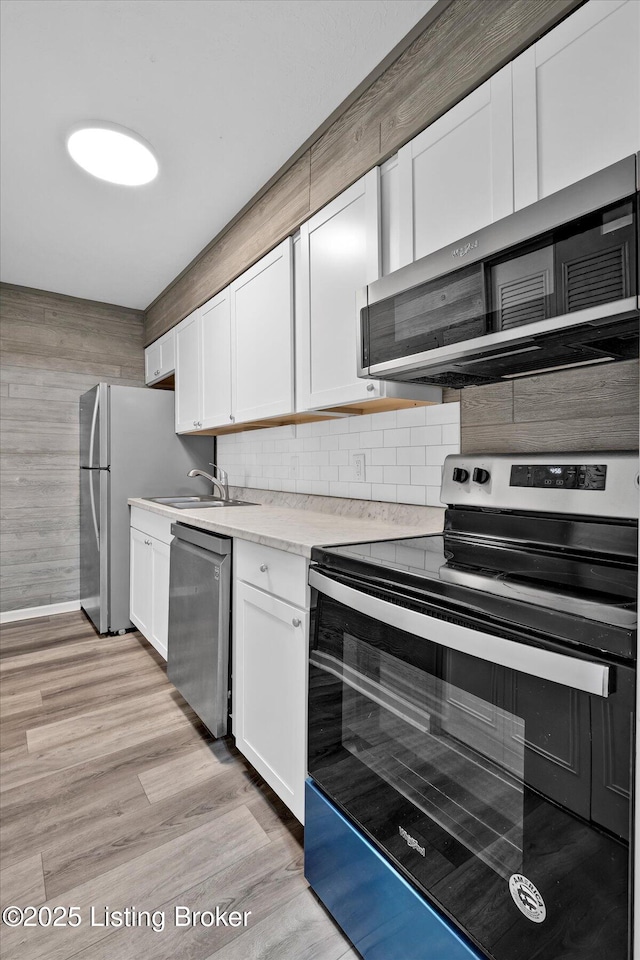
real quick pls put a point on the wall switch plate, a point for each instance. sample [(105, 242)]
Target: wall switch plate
[(357, 460), (294, 471)]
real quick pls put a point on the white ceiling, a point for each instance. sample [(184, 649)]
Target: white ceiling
[(225, 91)]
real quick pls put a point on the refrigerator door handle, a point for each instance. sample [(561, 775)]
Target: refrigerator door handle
[(94, 419), (92, 498)]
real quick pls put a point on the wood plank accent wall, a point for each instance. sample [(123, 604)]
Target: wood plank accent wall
[(469, 41), (54, 348), (593, 408)]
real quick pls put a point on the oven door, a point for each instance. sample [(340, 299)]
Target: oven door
[(501, 793)]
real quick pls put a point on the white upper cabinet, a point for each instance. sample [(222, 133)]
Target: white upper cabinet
[(215, 320), (457, 176), (390, 215), (577, 99), (160, 358), (339, 256), (203, 367), (189, 374), (262, 337)]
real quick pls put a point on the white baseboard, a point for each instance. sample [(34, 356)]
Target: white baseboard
[(31, 613)]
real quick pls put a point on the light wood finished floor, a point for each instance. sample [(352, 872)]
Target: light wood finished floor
[(114, 795)]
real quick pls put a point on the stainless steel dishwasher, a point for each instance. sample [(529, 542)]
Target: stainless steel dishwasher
[(199, 622)]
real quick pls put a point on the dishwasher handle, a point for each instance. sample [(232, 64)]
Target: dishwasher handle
[(213, 542)]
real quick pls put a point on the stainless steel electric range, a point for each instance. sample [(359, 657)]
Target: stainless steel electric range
[(471, 719)]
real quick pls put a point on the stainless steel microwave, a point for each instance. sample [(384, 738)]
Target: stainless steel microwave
[(553, 285)]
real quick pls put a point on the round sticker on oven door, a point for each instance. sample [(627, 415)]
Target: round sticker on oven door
[(527, 898)]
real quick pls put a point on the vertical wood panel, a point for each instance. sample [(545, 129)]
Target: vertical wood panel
[(458, 50), (54, 348)]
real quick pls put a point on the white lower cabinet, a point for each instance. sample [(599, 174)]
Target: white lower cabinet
[(149, 577), (270, 636)]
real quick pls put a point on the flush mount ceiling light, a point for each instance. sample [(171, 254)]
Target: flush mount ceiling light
[(112, 153)]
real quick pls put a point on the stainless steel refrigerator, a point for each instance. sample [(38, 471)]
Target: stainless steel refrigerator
[(128, 448)]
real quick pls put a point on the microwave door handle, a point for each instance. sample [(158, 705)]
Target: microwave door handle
[(585, 675)]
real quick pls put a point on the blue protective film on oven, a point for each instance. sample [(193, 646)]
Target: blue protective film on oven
[(383, 916)]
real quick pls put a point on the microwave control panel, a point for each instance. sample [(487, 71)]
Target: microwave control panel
[(591, 476)]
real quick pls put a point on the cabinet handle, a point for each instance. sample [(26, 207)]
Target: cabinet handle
[(156, 372), (195, 423), (296, 621), (371, 386), (148, 542), (232, 418), (263, 568)]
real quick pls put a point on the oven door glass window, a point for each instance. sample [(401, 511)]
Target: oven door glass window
[(469, 775)]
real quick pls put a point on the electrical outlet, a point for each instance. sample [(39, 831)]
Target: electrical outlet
[(294, 472), (357, 460)]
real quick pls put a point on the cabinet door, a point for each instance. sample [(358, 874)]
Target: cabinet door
[(339, 255), (188, 374), (457, 176), (168, 352), (262, 337), (140, 582), (269, 690), (152, 362), (216, 361), (577, 99), (159, 626), (390, 216)]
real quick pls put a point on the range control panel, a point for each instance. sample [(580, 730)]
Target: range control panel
[(598, 484), (585, 476)]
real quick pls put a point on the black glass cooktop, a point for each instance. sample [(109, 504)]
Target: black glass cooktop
[(582, 590)]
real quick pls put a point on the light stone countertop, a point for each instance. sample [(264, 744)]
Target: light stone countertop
[(310, 521)]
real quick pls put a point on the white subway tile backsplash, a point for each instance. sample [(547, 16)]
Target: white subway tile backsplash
[(443, 413), (411, 455), (338, 458), (411, 494), (433, 497), (451, 433), (372, 438), (398, 437), (385, 456), (384, 491), (404, 451), (397, 474)]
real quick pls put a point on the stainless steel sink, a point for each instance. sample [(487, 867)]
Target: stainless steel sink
[(196, 503)]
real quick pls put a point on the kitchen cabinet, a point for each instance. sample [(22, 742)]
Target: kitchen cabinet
[(270, 637), (160, 358), (576, 99), (150, 539), (188, 409), (203, 367), (261, 302), (457, 176), (215, 321), (390, 215), (339, 255)]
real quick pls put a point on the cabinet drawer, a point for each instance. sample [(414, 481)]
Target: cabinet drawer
[(152, 524), (276, 571)]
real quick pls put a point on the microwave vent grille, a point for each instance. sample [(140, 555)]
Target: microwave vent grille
[(523, 300), (598, 278)]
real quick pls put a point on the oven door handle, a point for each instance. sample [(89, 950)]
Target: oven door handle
[(570, 671)]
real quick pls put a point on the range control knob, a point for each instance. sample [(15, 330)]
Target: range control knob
[(481, 476), (460, 475)]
